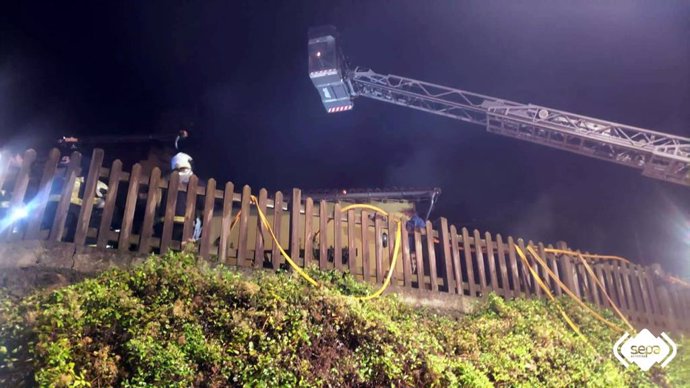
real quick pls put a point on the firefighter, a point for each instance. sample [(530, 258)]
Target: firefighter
[(182, 164), (413, 224), (78, 190)]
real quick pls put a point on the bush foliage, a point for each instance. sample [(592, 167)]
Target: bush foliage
[(175, 322)]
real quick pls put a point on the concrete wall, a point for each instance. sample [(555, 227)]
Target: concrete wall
[(30, 265)]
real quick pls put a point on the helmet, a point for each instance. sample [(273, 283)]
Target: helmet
[(101, 191), (181, 160)]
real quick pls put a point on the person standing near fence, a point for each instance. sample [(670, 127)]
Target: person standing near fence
[(182, 164), (70, 144), (413, 224)]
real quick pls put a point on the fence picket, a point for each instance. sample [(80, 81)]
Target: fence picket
[(683, 313), (637, 292), (351, 242), (192, 190), (89, 193), (150, 213), (666, 308), (596, 296), (568, 271), (276, 258), (457, 269), (73, 170), (21, 184), (419, 258), (491, 260), (682, 309), (337, 237), (36, 219), (633, 304), (582, 279), (642, 284), (658, 318), (536, 289), (616, 274), (543, 270), (447, 258), (481, 270), (130, 205), (259, 242), (104, 235), (599, 271), (514, 268), (525, 274), (308, 232), (378, 251), (207, 218), (553, 262), (392, 235), (295, 208), (365, 246), (226, 222), (169, 215), (503, 265), (23, 176), (406, 259), (433, 272), (323, 235), (243, 237), (467, 254)]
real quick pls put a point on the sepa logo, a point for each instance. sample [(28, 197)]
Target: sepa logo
[(645, 350)]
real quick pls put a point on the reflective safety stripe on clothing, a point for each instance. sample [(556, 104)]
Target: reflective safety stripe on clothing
[(176, 219), (75, 191), (75, 200)]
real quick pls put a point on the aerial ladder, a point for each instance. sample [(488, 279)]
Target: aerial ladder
[(657, 154)]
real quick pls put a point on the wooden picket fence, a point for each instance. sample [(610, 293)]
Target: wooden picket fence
[(439, 258)]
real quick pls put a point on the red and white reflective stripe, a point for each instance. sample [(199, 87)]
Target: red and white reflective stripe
[(322, 73), (339, 108)]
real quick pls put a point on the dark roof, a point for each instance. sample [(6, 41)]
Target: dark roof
[(394, 193)]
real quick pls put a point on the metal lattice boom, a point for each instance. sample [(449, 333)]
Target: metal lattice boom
[(658, 155)]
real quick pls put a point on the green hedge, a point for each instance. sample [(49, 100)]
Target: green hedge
[(177, 323)]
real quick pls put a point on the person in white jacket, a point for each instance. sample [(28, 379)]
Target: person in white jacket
[(182, 163)]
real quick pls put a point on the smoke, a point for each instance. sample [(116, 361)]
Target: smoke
[(22, 121), (417, 169), (535, 220), (5, 98)]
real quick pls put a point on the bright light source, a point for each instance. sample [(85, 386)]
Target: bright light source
[(318, 53), (19, 213)]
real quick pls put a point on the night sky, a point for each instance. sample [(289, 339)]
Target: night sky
[(239, 71)]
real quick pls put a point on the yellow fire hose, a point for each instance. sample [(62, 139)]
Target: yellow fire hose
[(668, 278), (548, 292), (603, 291), (587, 255), (523, 257), (396, 248), (572, 294), (316, 235), (596, 315)]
